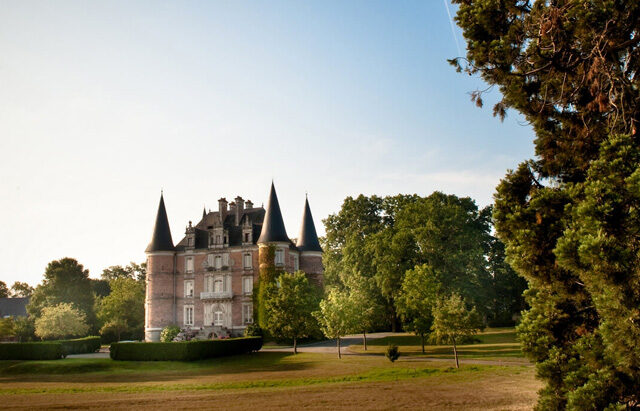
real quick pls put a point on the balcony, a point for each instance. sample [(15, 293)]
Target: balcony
[(224, 295)]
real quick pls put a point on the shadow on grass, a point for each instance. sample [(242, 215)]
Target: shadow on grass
[(107, 370)]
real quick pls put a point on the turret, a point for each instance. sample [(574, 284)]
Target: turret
[(309, 247), (160, 292)]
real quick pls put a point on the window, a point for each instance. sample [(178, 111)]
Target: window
[(217, 239), (218, 285), (218, 262), (189, 264), (225, 260), (279, 257), (246, 237), (247, 285), (246, 261), (217, 318), (247, 313), (296, 264), (188, 315), (210, 261), (188, 288), (208, 285)]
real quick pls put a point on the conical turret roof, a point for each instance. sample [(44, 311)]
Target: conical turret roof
[(308, 238), (161, 240), (273, 226)]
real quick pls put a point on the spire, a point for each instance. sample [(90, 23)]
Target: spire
[(273, 227), (204, 212), (161, 240), (308, 238)]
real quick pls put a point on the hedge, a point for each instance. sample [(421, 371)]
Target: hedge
[(80, 345), (48, 350), (184, 350)]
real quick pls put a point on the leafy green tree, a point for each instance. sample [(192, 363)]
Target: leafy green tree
[(338, 316), (7, 328), (571, 68), (122, 311), (20, 289), (61, 321), (65, 281), (453, 322), (24, 328), (420, 290), (288, 306), (506, 288), (100, 288), (4, 291), (133, 270), (370, 311)]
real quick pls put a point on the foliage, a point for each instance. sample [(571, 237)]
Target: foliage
[(392, 352), (4, 291), (21, 290), (62, 320), (65, 281), (169, 333), (7, 328), (123, 309), (267, 277), (184, 350), (133, 271), (338, 316), (417, 299), (452, 321), (31, 351), (80, 345), (253, 330), (288, 307), (24, 328), (506, 288), (100, 288), (568, 218)]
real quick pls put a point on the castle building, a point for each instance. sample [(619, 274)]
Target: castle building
[(206, 281)]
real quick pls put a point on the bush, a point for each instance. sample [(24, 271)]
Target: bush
[(80, 345), (184, 350), (392, 352), (31, 351), (253, 330), (169, 333)]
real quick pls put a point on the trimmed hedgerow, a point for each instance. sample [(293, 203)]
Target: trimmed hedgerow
[(48, 350), (184, 350), (80, 345)]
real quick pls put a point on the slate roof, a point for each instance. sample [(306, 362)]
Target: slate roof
[(273, 226), (161, 239), (308, 238), (13, 307)]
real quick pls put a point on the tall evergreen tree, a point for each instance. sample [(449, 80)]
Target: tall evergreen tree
[(567, 217)]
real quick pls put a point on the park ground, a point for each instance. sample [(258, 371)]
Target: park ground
[(493, 376)]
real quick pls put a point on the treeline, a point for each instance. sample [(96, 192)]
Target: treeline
[(401, 255), (67, 303)]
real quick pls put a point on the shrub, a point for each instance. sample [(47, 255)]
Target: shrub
[(392, 352), (169, 333), (253, 330), (31, 351), (80, 345), (184, 350)]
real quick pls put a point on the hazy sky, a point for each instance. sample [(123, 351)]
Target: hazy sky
[(102, 104)]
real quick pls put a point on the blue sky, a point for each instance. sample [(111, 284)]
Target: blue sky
[(102, 104)]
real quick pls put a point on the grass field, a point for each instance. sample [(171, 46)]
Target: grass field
[(271, 380)]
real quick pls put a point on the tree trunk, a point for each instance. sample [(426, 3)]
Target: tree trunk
[(339, 353), (295, 345), (455, 352), (364, 337), (422, 341)]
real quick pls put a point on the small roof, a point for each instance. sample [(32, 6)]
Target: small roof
[(13, 307), (308, 238), (161, 240), (273, 226)]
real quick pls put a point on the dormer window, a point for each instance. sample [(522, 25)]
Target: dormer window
[(246, 237), (190, 242)]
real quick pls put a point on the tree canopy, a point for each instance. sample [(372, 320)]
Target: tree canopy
[(568, 217), (61, 321), (122, 311)]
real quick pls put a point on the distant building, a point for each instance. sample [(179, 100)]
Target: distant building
[(206, 281), (13, 307)]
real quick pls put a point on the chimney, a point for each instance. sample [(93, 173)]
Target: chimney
[(248, 205), (239, 209), (222, 207)]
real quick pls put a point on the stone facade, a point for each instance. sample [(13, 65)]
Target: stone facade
[(206, 281)]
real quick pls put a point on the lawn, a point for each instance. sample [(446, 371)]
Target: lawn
[(273, 380), (491, 344)]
